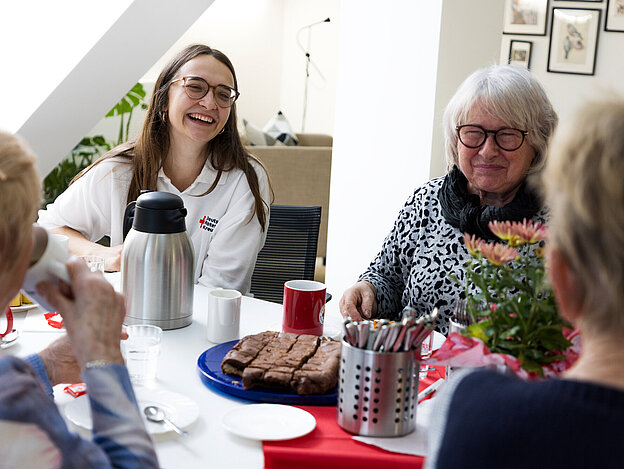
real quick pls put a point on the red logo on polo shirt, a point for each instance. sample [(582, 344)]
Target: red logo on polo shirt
[(208, 223)]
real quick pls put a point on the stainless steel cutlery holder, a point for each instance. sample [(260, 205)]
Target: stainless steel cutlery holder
[(377, 391)]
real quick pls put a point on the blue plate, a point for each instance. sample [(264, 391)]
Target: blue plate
[(209, 364)]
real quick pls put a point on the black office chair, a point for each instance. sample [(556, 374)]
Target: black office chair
[(289, 252)]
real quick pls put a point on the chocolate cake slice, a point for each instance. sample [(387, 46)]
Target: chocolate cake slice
[(243, 353), (320, 373), (278, 361), (306, 364)]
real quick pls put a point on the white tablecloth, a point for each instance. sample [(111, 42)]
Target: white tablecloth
[(208, 443)]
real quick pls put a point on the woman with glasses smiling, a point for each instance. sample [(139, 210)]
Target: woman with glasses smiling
[(190, 146), (496, 129)]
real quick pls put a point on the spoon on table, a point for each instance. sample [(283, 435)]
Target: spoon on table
[(9, 339), (157, 415)]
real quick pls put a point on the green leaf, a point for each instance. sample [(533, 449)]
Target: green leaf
[(129, 101)]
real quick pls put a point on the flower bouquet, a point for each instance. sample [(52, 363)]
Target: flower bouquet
[(513, 314)]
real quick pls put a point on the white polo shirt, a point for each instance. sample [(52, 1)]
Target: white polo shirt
[(225, 242)]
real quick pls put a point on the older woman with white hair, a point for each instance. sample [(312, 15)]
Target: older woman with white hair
[(496, 128), (484, 419)]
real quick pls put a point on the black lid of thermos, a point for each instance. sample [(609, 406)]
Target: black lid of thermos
[(159, 212)]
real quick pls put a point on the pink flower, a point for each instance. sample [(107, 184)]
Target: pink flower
[(493, 307), (517, 234), (498, 254), (501, 229), (472, 243)]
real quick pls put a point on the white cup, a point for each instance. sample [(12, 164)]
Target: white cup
[(47, 263), (140, 351), (223, 315)]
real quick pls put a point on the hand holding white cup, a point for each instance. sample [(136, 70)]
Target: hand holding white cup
[(47, 263)]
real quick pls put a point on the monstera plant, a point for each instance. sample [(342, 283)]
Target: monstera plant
[(89, 149)]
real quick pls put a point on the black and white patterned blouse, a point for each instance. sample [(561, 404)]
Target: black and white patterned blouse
[(418, 258)]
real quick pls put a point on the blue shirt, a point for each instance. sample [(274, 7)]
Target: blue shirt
[(29, 415)]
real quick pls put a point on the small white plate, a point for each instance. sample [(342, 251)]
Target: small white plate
[(269, 422), (178, 408), (10, 339), (26, 307)]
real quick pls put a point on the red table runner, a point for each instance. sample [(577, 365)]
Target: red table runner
[(328, 446)]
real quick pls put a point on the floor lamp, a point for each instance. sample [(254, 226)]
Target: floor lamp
[(306, 51)]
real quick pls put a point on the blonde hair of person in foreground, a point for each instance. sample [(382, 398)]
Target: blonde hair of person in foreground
[(584, 190), (20, 189)]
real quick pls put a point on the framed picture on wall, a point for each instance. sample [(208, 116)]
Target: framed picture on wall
[(525, 17), (520, 53), (573, 41), (615, 16)]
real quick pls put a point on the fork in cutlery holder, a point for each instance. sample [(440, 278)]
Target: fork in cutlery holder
[(377, 391)]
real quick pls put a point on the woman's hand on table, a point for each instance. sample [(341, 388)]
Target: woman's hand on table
[(81, 246), (359, 302), (112, 257), (92, 312)]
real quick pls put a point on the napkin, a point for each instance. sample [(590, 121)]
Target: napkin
[(330, 447), (36, 321), (415, 443)]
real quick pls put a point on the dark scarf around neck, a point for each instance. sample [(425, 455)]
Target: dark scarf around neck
[(463, 210)]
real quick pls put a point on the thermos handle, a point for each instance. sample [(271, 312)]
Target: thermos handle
[(128, 218)]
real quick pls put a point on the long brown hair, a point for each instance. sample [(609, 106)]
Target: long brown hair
[(149, 150)]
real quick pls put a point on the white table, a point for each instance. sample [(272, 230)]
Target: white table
[(208, 443)]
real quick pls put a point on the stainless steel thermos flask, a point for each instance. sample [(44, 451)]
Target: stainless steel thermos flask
[(157, 263)]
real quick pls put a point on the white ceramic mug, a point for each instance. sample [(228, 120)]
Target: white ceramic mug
[(223, 315), (47, 263)]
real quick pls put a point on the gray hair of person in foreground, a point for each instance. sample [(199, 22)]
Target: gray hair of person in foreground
[(583, 187), (510, 93)]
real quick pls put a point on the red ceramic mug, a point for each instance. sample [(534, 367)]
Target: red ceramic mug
[(304, 307), (9, 323)]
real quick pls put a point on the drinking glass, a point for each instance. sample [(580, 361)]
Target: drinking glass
[(425, 352), (140, 351), (95, 263)]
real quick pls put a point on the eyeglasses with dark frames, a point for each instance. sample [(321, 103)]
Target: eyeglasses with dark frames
[(473, 136), (197, 88)]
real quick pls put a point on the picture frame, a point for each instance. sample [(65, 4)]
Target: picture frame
[(520, 53), (573, 40), (525, 17), (614, 12)]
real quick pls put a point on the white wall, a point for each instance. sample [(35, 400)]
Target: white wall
[(566, 91), (109, 68), (323, 53), (382, 144), (37, 54), (463, 49)]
